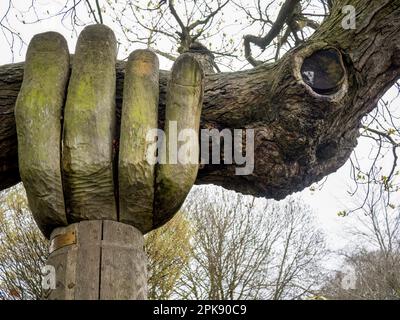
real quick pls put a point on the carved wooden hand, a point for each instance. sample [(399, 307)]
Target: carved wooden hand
[(73, 162)]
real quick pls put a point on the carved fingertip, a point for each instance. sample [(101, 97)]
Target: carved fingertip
[(187, 71), (99, 33), (143, 54), (144, 62), (48, 42)]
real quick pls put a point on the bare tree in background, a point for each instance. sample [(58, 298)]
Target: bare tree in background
[(23, 249), (376, 277), (279, 25), (168, 249), (240, 248), (249, 249), (372, 264)]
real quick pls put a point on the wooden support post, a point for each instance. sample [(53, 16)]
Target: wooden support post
[(98, 260)]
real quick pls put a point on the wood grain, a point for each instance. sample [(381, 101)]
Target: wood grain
[(38, 114), (89, 128), (108, 262), (123, 263), (176, 176), (139, 115)]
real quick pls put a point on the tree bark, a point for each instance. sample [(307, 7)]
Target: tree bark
[(300, 135)]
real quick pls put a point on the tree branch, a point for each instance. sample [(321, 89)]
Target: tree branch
[(262, 42)]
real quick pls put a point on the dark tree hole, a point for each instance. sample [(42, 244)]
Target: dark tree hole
[(323, 71)]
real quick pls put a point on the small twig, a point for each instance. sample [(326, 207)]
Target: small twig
[(99, 11), (395, 145), (91, 11)]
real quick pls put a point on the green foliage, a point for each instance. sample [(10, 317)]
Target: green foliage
[(168, 250), (23, 249), (342, 213)]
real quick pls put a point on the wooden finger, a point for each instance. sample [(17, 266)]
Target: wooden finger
[(89, 128), (139, 117), (38, 113), (176, 176)]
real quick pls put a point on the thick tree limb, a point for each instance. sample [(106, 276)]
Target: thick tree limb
[(300, 136), (285, 13)]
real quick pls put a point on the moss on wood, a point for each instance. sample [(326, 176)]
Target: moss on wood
[(183, 106), (89, 128), (139, 115), (38, 114)]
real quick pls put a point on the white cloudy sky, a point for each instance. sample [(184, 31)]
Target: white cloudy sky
[(326, 202)]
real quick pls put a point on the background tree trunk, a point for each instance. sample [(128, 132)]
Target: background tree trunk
[(300, 135)]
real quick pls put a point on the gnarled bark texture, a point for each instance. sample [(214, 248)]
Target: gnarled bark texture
[(300, 135)]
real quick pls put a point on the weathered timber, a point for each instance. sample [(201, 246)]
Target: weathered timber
[(177, 170), (106, 262), (123, 263), (77, 266), (300, 135), (38, 115), (139, 115), (89, 128)]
